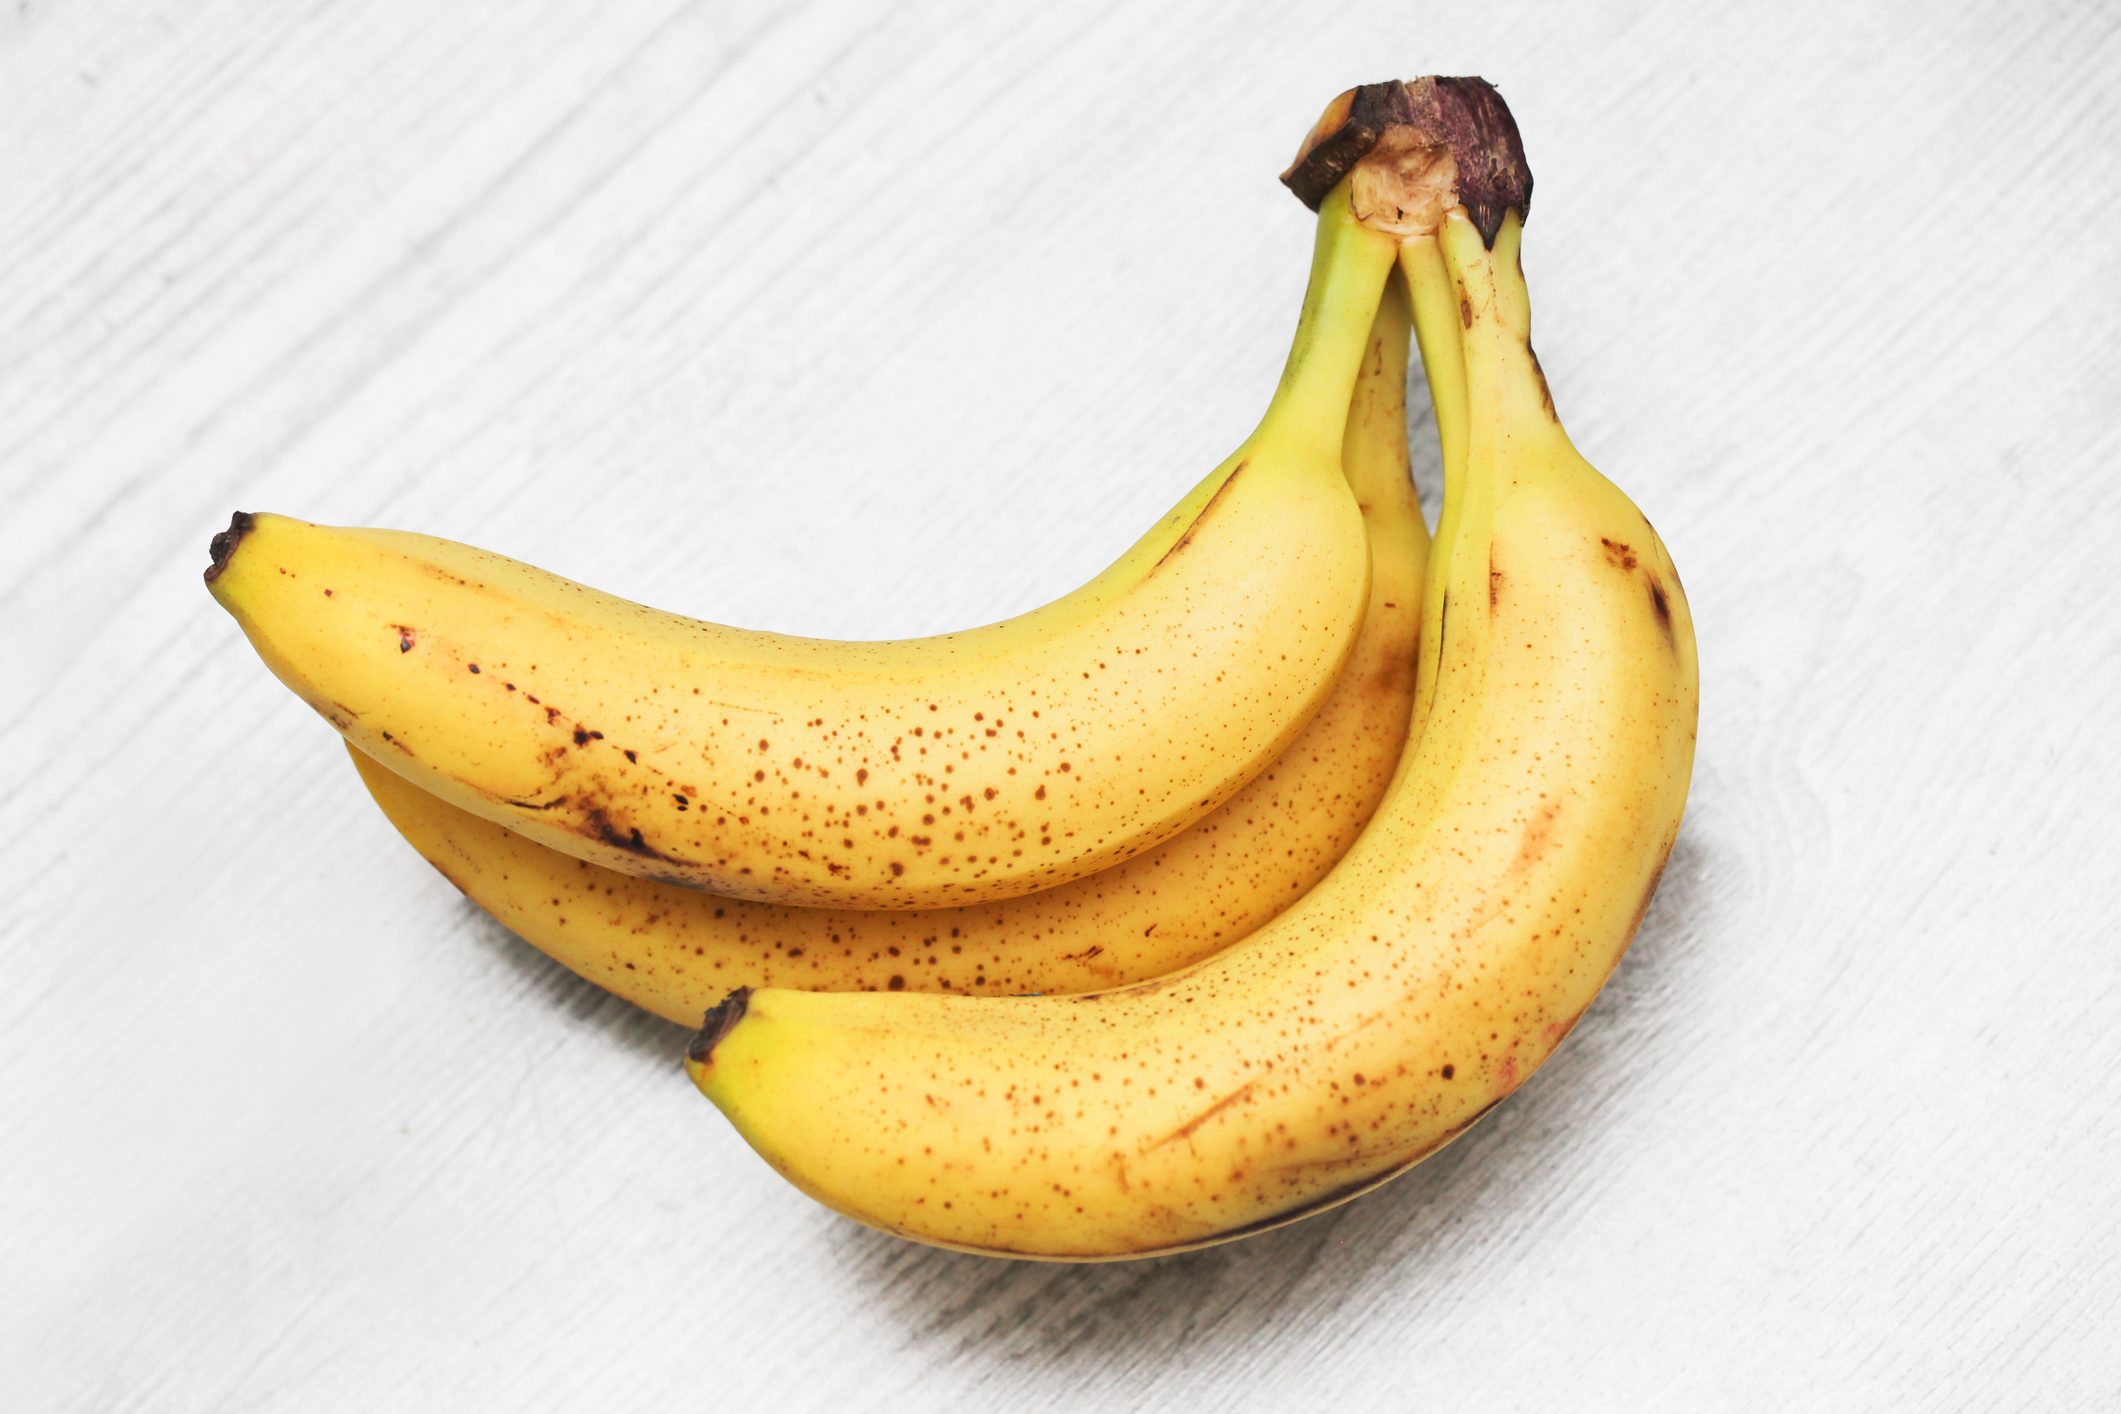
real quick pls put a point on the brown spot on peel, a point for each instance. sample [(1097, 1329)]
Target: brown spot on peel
[(719, 1021), (1464, 116), (1662, 607), (597, 825), (1622, 557), (223, 546), (1198, 521), (1546, 394), (552, 804), (1538, 834), (1185, 1130)]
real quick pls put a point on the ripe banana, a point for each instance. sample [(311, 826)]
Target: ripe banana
[(958, 769), (677, 951), (1432, 970)]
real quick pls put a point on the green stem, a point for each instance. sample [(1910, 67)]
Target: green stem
[(1439, 327), (1349, 266)]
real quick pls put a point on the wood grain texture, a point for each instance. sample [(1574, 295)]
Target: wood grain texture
[(874, 319)]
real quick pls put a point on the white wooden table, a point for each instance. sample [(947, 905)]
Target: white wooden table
[(876, 319)]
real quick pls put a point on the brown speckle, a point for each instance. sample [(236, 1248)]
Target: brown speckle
[(1186, 1130), (1538, 834), (1662, 607), (597, 825)]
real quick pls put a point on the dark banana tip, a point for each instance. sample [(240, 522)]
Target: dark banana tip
[(1464, 115), (721, 1019), (224, 543)]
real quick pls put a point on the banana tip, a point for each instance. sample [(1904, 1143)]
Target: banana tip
[(223, 546), (721, 1018)]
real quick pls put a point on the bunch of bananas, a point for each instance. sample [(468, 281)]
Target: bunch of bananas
[(1205, 897)]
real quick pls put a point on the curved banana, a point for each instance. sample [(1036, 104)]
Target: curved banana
[(1423, 980), (958, 769), (677, 951)]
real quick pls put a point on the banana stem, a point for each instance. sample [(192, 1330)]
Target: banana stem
[(1439, 327), (1374, 447), (1349, 266), (1472, 316), (1506, 390)]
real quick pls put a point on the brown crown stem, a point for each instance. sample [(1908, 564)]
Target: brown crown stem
[(1415, 149)]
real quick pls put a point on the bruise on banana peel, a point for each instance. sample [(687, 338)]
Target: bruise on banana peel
[(1439, 964), (1622, 557), (1415, 148)]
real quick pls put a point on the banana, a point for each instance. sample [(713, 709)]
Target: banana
[(958, 769), (677, 951), (1436, 966)]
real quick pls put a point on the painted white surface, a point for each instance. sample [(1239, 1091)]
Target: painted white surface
[(873, 319)]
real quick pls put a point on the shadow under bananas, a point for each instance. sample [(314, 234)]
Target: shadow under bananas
[(1415, 1236), (583, 1003)]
